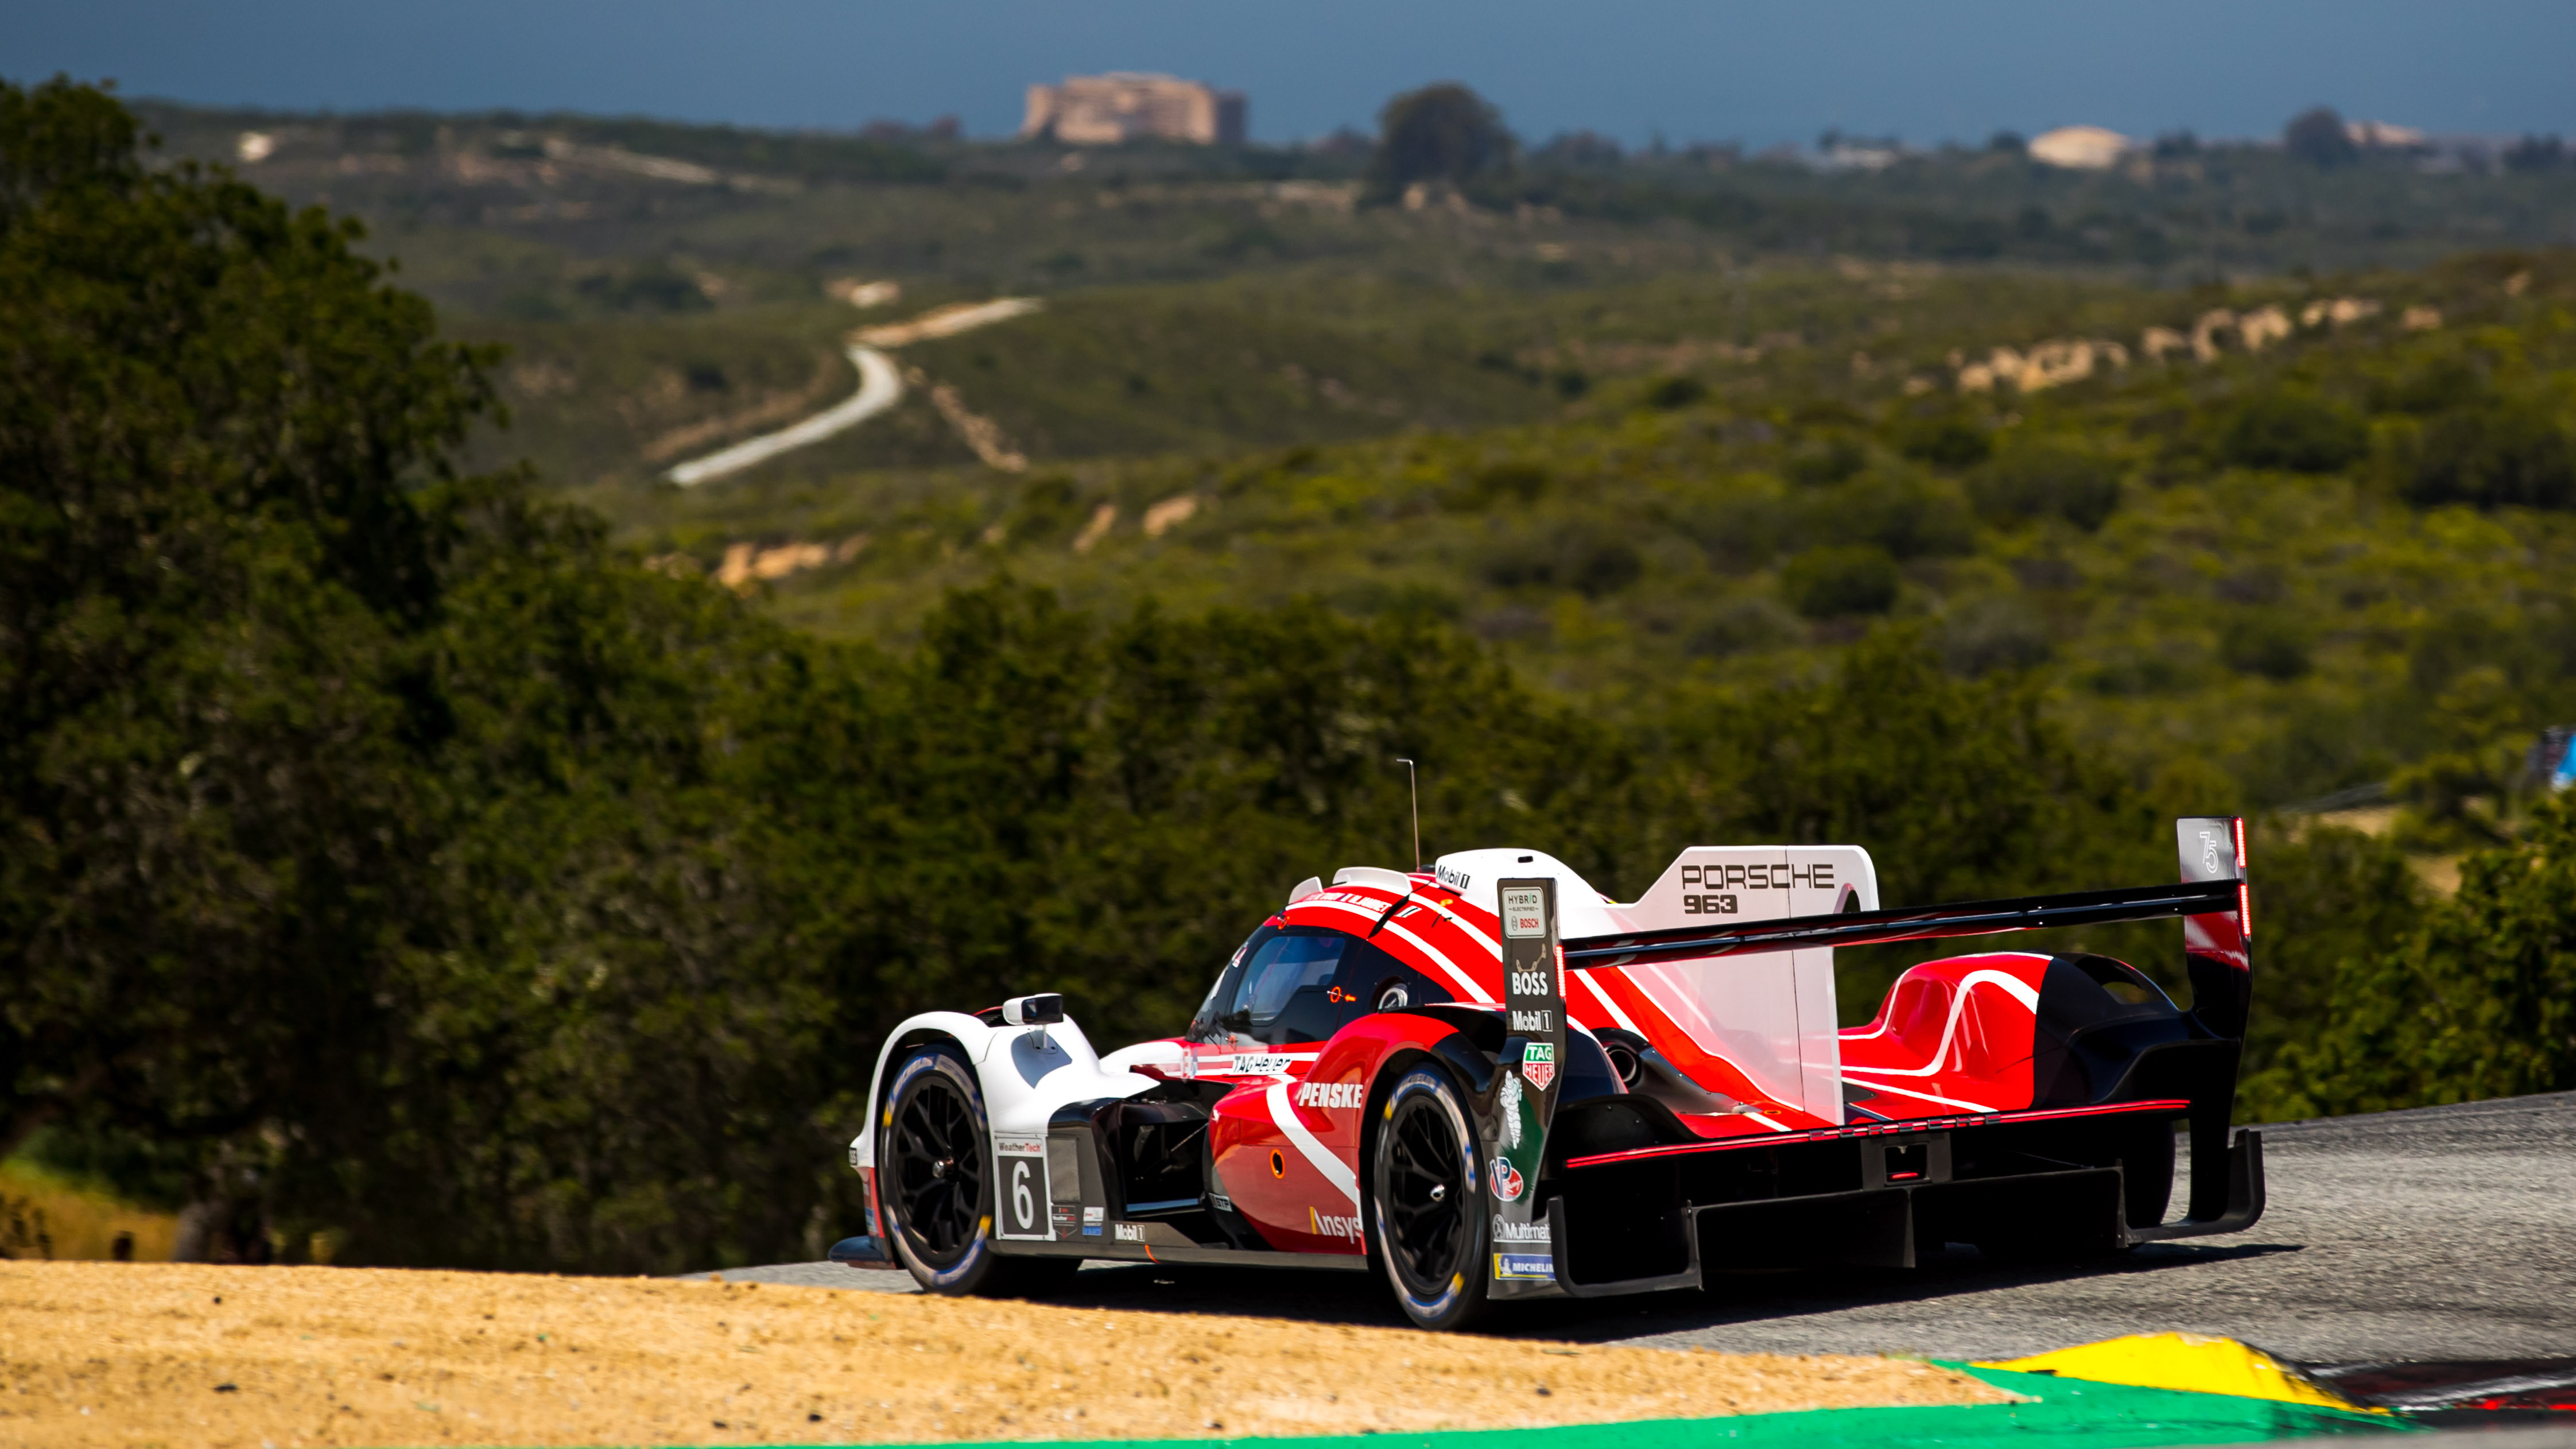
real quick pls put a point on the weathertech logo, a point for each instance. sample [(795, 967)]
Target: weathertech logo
[(1324, 1226), (1332, 1094)]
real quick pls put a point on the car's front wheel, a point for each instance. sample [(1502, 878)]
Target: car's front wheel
[(934, 1156), (1426, 1221)]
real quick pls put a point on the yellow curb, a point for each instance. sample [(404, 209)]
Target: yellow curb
[(2186, 1361)]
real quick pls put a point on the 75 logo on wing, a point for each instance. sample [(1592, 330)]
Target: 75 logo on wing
[(1353, 1095)]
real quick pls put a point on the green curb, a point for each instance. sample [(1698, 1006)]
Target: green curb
[(2111, 1416)]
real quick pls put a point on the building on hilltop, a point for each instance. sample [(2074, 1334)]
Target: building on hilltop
[(2082, 148), (1103, 110)]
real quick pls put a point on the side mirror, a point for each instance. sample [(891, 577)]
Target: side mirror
[(1044, 1009)]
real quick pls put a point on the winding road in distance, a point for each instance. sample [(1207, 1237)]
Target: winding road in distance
[(880, 387)]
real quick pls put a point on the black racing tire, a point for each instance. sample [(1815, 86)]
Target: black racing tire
[(935, 1184), (1426, 1215)]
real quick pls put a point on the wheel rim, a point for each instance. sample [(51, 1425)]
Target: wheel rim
[(1425, 1195), (938, 1168)]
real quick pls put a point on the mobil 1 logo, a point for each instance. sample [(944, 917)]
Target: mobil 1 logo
[(1021, 1209), (1533, 1054)]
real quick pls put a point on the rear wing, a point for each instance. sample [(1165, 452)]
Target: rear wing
[(2216, 910), (2213, 901)]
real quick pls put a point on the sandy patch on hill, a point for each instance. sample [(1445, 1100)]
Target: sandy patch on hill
[(97, 1353)]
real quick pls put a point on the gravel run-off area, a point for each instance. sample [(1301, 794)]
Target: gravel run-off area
[(188, 1354)]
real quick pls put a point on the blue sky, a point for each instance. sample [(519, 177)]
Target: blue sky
[(1755, 72)]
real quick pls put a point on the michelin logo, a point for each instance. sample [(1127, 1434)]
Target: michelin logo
[(1525, 1267), (1332, 1094)]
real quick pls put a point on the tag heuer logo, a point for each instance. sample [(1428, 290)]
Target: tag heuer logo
[(1538, 1064)]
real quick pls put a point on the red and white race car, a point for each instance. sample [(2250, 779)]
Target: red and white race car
[(1488, 1082)]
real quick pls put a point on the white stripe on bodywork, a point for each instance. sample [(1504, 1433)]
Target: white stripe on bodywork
[(1452, 917), (1883, 1022), (1926, 1096), (1481, 996), (1311, 1147), (1765, 1121), (2013, 986), (1603, 997)]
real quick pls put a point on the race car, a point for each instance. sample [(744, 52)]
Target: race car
[(1488, 1082)]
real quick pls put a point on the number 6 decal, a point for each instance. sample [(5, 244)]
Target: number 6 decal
[(1024, 1206)]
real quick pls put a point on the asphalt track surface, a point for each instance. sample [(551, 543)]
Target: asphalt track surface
[(2443, 1233)]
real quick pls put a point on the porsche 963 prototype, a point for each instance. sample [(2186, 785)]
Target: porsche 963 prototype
[(1488, 1082)]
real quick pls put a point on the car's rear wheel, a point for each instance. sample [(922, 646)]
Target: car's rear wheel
[(934, 1156), (1426, 1219)]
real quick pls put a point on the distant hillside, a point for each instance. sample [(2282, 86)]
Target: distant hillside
[(2302, 565), (667, 287)]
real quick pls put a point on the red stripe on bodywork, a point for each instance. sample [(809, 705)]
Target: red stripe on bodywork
[(1880, 1129)]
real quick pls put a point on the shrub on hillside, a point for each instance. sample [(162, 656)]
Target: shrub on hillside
[(2295, 430), (1822, 462), (2506, 455), (1593, 560), (1832, 582), (1994, 634), (1675, 392), (2268, 643), (1909, 516), (1514, 482), (2046, 480), (1947, 441)]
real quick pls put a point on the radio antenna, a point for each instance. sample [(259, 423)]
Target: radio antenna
[(1413, 788)]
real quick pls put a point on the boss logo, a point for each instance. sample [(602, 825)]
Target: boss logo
[(1532, 983)]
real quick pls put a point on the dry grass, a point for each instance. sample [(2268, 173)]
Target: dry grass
[(42, 1216), (188, 1354)]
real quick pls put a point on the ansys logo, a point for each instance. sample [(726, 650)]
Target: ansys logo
[(1324, 1226)]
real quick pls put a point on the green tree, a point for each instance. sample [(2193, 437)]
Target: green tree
[(2478, 1001), (214, 421), (2317, 136), (1442, 132)]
